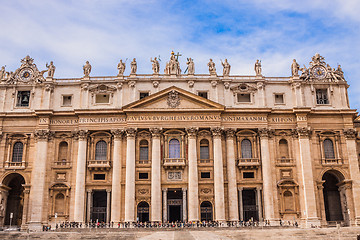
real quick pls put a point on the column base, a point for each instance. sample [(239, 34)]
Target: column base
[(357, 221), (35, 226)]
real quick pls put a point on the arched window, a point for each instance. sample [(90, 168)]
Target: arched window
[(288, 201), (100, 150), (204, 149), (17, 152), (63, 149), (174, 148), (144, 150), (329, 149), (246, 151), (60, 204), (283, 148)]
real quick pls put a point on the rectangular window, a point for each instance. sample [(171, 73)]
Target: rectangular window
[(279, 98), (102, 98), (321, 96), (205, 174), (144, 153), (23, 99), (99, 176), (203, 94), (143, 94), (143, 175), (243, 97), (66, 101), (248, 174)]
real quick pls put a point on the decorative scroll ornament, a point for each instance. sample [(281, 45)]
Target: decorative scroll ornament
[(173, 100), (143, 191), (266, 132), (304, 131), (229, 132), (350, 133), (43, 135), (216, 132), (81, 134), (156, 132), (130, 132), (117, 133), (27, 73), (192, 132), (206, 190)]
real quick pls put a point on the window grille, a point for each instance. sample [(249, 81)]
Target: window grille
[(283, 147), (321, 96), (329, 149), (204, 149), (100, 150), (23, 99), (17, 152), (174, 148), (144, 150), (246, 151)]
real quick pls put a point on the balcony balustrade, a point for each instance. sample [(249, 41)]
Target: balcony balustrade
[(248, 163), (174, 163)]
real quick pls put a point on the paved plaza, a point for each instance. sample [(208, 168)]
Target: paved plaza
[(192, 234)]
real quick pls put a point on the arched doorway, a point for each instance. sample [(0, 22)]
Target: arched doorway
[(332, 199), (206, 211), (15, 199), (143, 212)]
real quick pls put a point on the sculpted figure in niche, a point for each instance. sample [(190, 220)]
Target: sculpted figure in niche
[(257, 67), (295, 68), (133, 66), (121, 67), (51, 69), (155, 65), (2, 72), (191, 66), (87, 69), (212, 69), (226, 67)]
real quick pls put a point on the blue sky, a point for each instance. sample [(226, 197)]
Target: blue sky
[(105, 31)]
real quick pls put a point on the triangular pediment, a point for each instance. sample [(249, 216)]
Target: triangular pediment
[(173, 99)]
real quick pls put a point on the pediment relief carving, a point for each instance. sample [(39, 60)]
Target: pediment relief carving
[(244, 88), (102, 88)]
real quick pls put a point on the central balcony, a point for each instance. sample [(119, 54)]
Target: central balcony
[(248, 163), (331, 161), (62, 164), (99, 164), (285, 162), (15, 165), (174, 163)]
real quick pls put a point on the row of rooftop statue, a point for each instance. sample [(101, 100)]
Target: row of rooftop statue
[(173, 68)]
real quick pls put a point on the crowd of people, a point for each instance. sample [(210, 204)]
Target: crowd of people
[(177, 224)]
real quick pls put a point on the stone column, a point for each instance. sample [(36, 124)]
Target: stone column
[(267, 176), (258, 199), (89, 203), (116, 177), (164, 191), (38, 178), (4, 193), (156, 176), (108, 205), (308, 189), (241, 209), (193, 188), (184, 205), (25, 206), (130, 176), (218, 176), (79, 208), (350, 135), (231, 173)]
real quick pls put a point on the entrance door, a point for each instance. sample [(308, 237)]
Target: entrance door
[(249, 205), (98, 212), (175, 205), (332, 198), (143, 212), (206, 211), (15, 200)]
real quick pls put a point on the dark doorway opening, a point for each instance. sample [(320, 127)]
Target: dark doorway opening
[(175, 205), (206, 211), (98, 212), (332, 198), (15, 200), (143, 212), (249, 205)]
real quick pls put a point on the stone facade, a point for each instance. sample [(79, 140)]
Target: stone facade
[(188, 147)]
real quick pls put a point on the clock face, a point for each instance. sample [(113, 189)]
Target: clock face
[(319, 72), (26, 74)]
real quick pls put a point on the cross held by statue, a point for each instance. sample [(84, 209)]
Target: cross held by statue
[(177, 55)]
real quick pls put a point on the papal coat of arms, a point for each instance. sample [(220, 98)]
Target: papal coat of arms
[(173, 99)]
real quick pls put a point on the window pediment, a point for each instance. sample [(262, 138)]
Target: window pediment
[(244, 88), (102, 88)]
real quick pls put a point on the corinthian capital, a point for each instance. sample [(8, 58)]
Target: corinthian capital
[(304, 131), (265, 132), (117, 133), (43, 135), (192, 132), (229, 132), (81, 134), (350, 133), (130, 132), (156, 132), (216, 132)]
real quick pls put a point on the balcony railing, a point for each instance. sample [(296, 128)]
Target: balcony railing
[(174, 162), (99, 164), (62, 164), (15, 165), (248, 163), (205, 161), (285, 162), (331, 161)]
